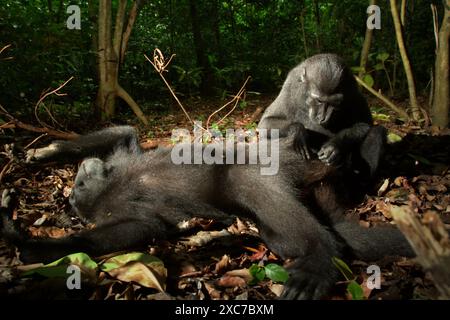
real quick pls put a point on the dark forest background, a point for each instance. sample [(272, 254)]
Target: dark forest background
[(217, 45)]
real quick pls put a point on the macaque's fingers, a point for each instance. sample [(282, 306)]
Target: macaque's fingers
[(328, 114), (301, 144), (321, 111), (329, 154)]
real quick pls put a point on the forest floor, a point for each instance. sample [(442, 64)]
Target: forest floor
[(415, 173)]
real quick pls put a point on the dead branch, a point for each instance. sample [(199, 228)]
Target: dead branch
[(256, 115), (15, 123), (160, 65), (430, 241), (384, 99)]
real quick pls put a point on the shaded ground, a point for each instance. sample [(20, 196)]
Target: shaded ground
[(415, 172)]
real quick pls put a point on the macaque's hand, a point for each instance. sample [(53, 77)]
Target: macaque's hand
[(331, 153), (300, 134)]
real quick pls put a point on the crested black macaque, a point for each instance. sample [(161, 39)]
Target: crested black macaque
[(320, 101), (134, 196)]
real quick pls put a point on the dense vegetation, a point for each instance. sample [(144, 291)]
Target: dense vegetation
[(217, 45)]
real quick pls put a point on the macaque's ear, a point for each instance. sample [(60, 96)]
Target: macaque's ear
[(302, 75)]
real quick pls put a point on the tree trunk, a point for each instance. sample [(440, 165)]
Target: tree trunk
[(302, 27), (110, 51), (415, 108), (107, 70), (202, 60), (441, 101), (366, 48), (130, 23), (318, 28)]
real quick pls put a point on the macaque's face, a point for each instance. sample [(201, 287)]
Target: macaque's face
[(322, 105), (324, 95), (90, 182)]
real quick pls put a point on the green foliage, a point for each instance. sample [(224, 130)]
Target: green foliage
[(58, 268), (271, 271), (353, 287), (263, 39), (138, 267)]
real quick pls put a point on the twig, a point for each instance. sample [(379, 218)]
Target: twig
[(160, 66), (45, 95), (235, 99), (35, 140), (435, 26), (3, 49), (380, 96), (5, 169), (15, 123)]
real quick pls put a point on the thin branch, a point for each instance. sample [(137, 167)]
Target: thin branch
[(235, 99), (3, 49), (45, 95), (380, 96), (15, 123), (160, 66), (435, 25)]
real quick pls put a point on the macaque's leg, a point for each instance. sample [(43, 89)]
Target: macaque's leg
[(99, 144)]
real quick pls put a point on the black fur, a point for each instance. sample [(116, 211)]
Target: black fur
[(134, 197), (321, 102)]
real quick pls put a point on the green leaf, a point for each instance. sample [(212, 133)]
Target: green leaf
[(393, 138), (276, 273), (123, 259), (355, 290), (378, 67), (343, 268), (380, 116), (358, 69), (258, 273), (383, 56), (368, 79), (243, 104), (58, 268)]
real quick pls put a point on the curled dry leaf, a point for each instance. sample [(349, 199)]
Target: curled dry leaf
[(140, 273), (383, 187), (277, 289), (223, 264)]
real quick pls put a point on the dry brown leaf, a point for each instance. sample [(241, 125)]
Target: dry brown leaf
[(231, 282), (138, 272), (51, 232), (383, 187), (223, 264), (212, 291), (242, 273)]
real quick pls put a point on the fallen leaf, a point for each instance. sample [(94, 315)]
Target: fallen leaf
[(223, 264), (231, 282)]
